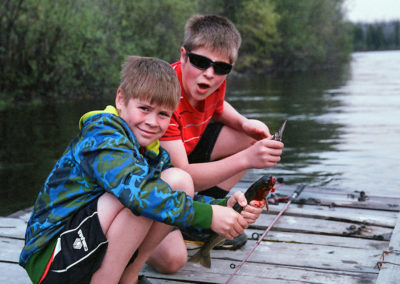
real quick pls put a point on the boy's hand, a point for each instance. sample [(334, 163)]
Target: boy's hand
[(227, 222), (256, 129), (264, 153), (250, 211)]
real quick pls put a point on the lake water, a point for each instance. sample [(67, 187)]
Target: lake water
[(343, 129)]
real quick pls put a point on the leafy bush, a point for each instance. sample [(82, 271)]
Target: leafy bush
[(74, 48)]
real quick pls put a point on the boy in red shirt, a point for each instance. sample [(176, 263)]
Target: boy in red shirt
[(216, 154)]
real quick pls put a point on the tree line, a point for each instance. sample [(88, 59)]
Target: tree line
[(71, 48), (376, 36)]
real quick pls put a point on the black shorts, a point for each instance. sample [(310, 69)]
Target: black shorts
[(202, 154), (80, 249), (202, 151)]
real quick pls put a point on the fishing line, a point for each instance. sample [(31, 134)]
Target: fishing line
[(295, 194)]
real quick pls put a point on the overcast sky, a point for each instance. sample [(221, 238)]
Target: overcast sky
[(372, 10)]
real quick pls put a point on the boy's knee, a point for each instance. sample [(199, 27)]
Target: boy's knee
[(108, 206), (173, 261), (178, 179)]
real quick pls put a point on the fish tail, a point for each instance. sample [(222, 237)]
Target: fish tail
[(203, 257)]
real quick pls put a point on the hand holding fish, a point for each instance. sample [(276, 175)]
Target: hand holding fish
[(250, 211), (227, 222), (252, 205), (264, 153), (256, 129)]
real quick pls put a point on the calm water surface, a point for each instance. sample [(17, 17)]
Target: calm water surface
[(343, 129)]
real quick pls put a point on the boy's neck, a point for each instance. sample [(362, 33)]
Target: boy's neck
[(198, 105)]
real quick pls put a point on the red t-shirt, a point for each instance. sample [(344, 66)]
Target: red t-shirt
[(187, 123)]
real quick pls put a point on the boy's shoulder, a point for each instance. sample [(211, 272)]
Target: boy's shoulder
[(92, 115)]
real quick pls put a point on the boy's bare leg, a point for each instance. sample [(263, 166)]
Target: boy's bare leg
[(167, 253), (170, 255), (124, 232), (230, 142)]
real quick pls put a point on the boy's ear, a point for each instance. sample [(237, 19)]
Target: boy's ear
[(183, 55), (119, 101)]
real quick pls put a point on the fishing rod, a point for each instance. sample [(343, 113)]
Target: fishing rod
[(295, 194)]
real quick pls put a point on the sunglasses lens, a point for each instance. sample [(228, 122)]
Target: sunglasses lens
[(199, 61), (222, 68), (203, 63)]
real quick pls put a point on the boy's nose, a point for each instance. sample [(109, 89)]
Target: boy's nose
[(151, 119), (209, 72)]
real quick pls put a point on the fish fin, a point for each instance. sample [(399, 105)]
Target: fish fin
[(203, 257), (206, 261)]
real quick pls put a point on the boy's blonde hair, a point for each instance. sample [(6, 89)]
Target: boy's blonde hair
[(213, 32), (150, 79)]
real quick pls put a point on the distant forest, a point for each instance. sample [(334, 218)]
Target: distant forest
[(376, 36), (74, 48)]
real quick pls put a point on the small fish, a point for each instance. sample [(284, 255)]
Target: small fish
[(259, 190), (278, 135)]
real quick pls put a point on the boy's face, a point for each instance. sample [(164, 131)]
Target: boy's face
[(199, 84), (148, 122)]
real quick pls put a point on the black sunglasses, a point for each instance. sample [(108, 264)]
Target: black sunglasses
[(203, 63)]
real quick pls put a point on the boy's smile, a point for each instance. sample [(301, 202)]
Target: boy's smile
[(199, 84), (148, 122)]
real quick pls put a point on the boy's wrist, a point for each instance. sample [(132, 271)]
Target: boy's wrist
[(202, 215)]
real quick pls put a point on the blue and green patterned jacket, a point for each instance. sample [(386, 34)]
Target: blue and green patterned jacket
[(105, 157)]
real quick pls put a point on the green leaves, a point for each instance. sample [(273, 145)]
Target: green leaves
[(64, 48)]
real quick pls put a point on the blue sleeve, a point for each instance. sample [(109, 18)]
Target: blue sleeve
[(109, 154)]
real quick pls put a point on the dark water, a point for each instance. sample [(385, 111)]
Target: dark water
[(343, 129)]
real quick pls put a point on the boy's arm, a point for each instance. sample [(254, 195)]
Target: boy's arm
[(252, 127), (114, 164), (264, 153), (205, 175)]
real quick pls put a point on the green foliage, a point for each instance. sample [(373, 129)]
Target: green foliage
[(62, 48), (376, 36), (155, 27), (313, 34), (52, 47), (75, 48), (257, 22)]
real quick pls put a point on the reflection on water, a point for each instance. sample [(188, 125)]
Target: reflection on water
[(302, 99), (342, 132), (343, 127)]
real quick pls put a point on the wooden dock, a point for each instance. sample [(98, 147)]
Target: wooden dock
[(325, 236)]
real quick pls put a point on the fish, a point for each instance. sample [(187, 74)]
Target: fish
[(259, 190), (279, 134)]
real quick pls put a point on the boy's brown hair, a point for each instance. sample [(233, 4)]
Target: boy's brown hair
[(150, 79), (213, 32)]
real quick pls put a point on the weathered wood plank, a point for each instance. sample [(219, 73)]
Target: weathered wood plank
[(390, 269), (10, 249), (306, 245), (362, 216), (306, 255), (13, 274), (326, 240), (163, 281), (315, 226), (22, 214), (12, 227), (316, 196), (322, 197), (261, 273)]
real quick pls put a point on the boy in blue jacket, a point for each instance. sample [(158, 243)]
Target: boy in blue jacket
[(113, 196)]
